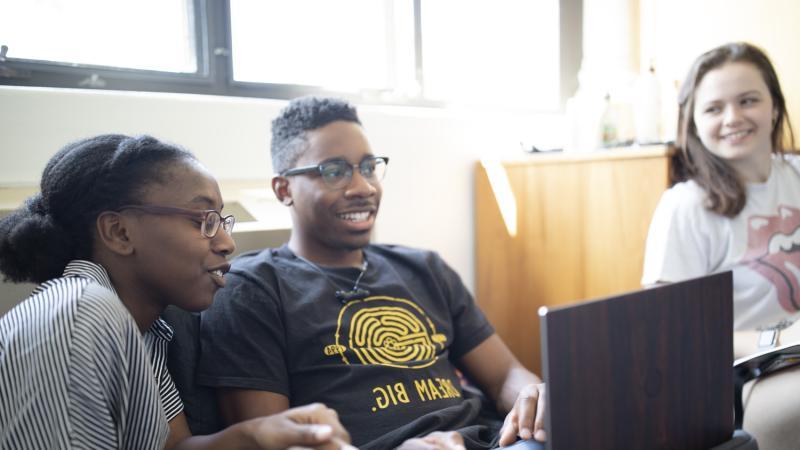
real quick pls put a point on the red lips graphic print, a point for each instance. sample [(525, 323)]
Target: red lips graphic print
[(772, 250)]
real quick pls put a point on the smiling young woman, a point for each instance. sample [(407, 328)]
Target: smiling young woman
[(123, 227), (734, 117), (738, 209)]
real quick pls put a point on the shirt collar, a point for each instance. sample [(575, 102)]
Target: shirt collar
[(97, 273), (88, 269), (161, 330)]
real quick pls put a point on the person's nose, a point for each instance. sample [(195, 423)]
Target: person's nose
[(732, 116), (360, 186), (223, 243)]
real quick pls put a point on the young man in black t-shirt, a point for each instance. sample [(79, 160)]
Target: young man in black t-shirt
[(376, 332)]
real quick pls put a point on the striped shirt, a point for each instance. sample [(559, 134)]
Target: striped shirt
[(76, 372)]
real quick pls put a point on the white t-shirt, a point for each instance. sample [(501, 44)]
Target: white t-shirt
[(760, 245)]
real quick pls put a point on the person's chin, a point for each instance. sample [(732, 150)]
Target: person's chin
[(200, 302), (358, 242)]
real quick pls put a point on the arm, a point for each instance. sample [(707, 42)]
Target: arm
[(513, 388), (679, 242), (309, 426), (487, 361), (438, 440), (746, 342), (237, 405), (242, 351)]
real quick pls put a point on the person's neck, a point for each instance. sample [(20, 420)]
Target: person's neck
[(144, 313), (326, 256), (756, 170), (142, 307)]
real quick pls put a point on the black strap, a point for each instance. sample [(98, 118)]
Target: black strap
[(739, 378)]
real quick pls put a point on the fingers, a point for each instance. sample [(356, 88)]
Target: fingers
[(508, 433), (526, 418), (446, 440), (538, 425), (416, 444), (438, 440), (317, 413), (310, 426), (342, 445), (314, 434), (526, 410), (335, 444), (286, 433)]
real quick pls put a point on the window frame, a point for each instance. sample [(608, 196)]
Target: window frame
[(215, 67)]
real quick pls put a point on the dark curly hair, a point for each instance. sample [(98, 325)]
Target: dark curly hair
[(82, 180), (300, 116), (725, 192)]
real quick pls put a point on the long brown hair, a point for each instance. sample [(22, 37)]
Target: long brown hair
[(725, 191)]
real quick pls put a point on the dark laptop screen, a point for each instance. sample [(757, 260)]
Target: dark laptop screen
[(647, 369)]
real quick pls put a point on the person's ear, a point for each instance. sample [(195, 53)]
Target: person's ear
[(113, 233), (280, 186)]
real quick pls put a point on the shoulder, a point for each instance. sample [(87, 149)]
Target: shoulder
[(686, 194), (257, 267), (103, 320), (408, 255), (65, 296), (256, 275), (70, 312), (254, 261), (683, 201), (790, 162), (49, 311), (419, 264)]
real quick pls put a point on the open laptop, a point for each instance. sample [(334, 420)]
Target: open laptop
[(649, 369)]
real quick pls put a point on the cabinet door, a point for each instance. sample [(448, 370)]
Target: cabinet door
[(581, 230)]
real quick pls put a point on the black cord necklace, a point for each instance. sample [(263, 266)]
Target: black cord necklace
[(343, 296)]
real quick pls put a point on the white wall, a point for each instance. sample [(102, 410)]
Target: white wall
[(674, 32), (428, 190)]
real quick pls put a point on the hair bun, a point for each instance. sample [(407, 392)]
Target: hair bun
[(23, 236), (36, 205)]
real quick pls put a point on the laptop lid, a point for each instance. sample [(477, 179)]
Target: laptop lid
[(643, 370)]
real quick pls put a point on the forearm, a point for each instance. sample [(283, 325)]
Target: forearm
[(238, 436), (238, 405), (493, 367), (746, 342)]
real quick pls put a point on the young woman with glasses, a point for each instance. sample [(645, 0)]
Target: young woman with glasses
[(123, 227)]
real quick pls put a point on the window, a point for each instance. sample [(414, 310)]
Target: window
[(147, 34), (506, 54), (502, 53)]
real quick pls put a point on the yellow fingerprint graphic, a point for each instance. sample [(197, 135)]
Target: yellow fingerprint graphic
[(389, 334), (387, 331)]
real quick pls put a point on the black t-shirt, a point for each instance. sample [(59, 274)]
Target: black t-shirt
[(384, 362)]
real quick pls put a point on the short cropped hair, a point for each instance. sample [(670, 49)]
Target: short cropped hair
[(289, 138)]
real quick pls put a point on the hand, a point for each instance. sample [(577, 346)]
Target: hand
[(438, 440), (526, 418), (311, 426)]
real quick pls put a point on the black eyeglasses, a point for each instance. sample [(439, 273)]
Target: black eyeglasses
[(337, 173), (210, 220)]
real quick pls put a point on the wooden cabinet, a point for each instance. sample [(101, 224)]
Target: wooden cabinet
[(581, 224)]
